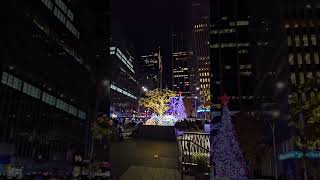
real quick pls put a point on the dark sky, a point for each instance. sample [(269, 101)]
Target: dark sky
[(146, 24)]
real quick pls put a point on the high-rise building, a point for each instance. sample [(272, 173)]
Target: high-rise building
[(287, 54), (200, 44), (124, 85), (230, 54), (52, 83), (302, 30), (149, 70), (181, 74), (182, 63)]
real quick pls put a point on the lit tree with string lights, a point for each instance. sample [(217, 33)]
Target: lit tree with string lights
[(226, 153), (177, 107)]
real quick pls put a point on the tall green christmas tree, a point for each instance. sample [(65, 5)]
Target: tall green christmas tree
[(226, 152)]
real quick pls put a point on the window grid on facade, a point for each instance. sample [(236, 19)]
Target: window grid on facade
[(26, 88)]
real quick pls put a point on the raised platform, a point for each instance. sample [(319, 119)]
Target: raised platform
[(157, 132)]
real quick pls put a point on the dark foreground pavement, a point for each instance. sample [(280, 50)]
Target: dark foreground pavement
[(137, 159)]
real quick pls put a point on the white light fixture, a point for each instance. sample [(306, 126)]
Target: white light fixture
[(275, 113), (280, 85)]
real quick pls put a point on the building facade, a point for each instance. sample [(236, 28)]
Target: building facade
[(302, 30), (50, 79), (181, 73), (230, 56), (149, 72), (200, 44), (124, 85)]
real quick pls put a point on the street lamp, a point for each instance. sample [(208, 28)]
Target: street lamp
[(195, 107), (280, 85), (144, 89)]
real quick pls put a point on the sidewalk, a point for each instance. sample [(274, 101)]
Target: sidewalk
[(136, 159)]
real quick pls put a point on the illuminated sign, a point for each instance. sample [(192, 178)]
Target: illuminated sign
[(291, 155), (299, 155), (313, 154), (203, 110)]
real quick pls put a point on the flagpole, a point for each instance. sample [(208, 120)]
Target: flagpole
[(160, 68)]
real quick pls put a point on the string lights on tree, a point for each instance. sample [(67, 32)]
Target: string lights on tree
[(177, 108), (226, 153)]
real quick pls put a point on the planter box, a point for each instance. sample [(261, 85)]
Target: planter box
[(157, 132)]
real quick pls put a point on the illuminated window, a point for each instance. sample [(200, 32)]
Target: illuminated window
[(289, 41), (48, 3), (82, 114), (242, 23), (297, 40), (293, 78), (299, 59), (308, 60), (316, 58), (314, 39), (318, 74), (305, 40), (309, 75), (4, 78), (301, 78), (49, 99), (31, 90), (291, 61)]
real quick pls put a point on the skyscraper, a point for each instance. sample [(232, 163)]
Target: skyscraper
[(302, 30), (124, 85), (200, 44), (182, 59), (52, 53), (148, 70), (181, 73), (230, 61)]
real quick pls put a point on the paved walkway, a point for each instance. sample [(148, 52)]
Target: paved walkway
[(135, 159)]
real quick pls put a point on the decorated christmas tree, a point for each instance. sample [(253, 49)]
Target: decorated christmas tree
[(180, 110), (177, 108), (226, 153)]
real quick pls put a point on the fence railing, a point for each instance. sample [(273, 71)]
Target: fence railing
[(193, 143)]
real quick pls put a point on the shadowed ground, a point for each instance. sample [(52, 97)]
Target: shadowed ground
[(137, 159)]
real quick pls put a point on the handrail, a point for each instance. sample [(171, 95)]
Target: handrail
[(198, 145), (198, 133)]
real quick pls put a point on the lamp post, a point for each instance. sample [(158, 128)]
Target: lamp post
[(195, 103), (275, 115), (195, 107), (142, 90)]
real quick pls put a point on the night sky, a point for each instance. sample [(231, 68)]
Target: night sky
[(146, 24)]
